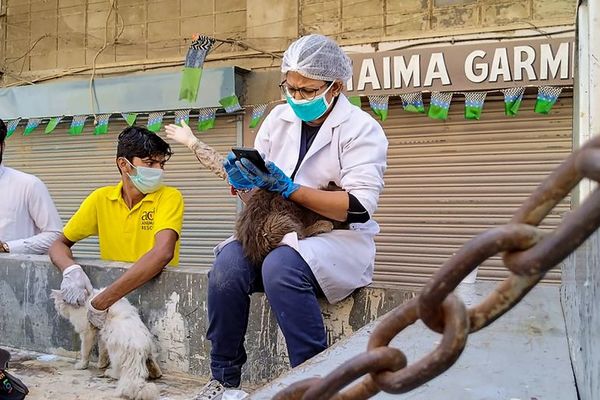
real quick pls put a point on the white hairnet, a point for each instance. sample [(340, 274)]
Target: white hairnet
[(317, 57)]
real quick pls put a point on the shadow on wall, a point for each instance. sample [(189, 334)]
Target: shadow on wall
[(174, 308)]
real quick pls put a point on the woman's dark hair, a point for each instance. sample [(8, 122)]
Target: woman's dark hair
[(2, 131), (136, 141)]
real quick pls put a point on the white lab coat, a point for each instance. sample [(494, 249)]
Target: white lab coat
[(350, 149)]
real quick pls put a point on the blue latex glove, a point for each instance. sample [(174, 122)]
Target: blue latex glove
[(274, 181), (234, 176)]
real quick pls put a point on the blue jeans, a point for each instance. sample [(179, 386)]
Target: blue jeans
[(292, 291)]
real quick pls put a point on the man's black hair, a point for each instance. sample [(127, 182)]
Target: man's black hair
[(136, 141), (2, 131)]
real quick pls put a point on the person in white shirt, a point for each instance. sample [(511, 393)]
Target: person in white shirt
[(29, 222)]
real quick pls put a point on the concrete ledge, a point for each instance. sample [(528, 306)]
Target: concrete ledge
[(173, 306)]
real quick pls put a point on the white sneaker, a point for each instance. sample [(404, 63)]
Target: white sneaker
[(234, 394), (213, 390)]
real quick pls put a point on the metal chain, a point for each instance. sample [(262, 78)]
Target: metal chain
[(527, 252)]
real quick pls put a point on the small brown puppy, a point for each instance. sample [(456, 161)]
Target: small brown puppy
[(268, 217)]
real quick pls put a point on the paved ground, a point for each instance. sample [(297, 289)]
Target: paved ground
[(521, 356), (53, 377)]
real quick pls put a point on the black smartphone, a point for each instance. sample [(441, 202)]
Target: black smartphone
[(251, 155)]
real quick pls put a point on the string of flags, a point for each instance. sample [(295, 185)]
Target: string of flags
[(439, 106), (192, 70), (474, 104), (206, 119), (547, 96), (11, 126), (379, 105), (257, 113), (155, 121), (355, 100), (129, 118), (32, 123), (413, 102), (512, 100), (101, 124), (54, 121), (77, 124), (230, 104), (182, 115)]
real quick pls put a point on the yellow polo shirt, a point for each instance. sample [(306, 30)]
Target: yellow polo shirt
[(126, 234)]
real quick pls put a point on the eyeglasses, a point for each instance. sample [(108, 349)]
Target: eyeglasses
[(305, 93)]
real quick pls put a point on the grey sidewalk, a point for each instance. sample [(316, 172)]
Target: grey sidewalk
[(53, 377)]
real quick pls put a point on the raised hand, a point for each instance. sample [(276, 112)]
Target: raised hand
[(181, 134)]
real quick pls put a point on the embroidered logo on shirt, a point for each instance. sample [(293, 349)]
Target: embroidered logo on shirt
[(147, 220)]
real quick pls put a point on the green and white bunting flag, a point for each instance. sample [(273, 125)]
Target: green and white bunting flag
[(547, 96), (130, 118), (11, 127), (413, 102), (101, 124), (474, 104), (355, 100), (192, 71), (155, 121), (439, 105), (182, 115), (206, 118), (257, 113), (512, 100), (230, 104), (77, 124), (54, 121), (379, 105), (32, 123)]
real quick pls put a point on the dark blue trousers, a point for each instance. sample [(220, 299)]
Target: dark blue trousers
[(292, 291)]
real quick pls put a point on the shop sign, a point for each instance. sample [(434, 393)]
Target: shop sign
[(465, 67)]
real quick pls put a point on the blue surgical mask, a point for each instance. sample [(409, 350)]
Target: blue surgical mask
[(146, 180), (310, 110)]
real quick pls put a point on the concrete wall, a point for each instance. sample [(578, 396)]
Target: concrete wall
[(580, 294), (174, 308), (581, 271), (57, 37)]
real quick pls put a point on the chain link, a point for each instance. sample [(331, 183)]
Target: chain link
[(527, 251)]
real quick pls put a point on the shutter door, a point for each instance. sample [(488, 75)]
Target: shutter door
[(449, 180), (73, 166)]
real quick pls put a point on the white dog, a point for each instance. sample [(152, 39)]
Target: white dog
[(124, 341)]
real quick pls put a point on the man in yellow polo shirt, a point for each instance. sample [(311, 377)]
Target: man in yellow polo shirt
[(139, 221)]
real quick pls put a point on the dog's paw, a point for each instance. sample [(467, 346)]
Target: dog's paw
[(81, 364), (154, 371), (111, 373), (103, 363)]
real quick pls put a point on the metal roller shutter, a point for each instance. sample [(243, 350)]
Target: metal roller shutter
[(449, 180), (73, 166)]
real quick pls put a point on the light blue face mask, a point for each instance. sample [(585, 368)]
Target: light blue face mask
[(310, 110), (146, 180)]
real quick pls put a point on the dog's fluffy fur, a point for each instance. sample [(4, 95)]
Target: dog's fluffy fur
[(124, 342)]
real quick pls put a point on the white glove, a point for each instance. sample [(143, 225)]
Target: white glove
[(181, 134), (75, 286), (95, 316)]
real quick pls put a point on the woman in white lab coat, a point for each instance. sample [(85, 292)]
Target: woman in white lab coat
[(317, 137)]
